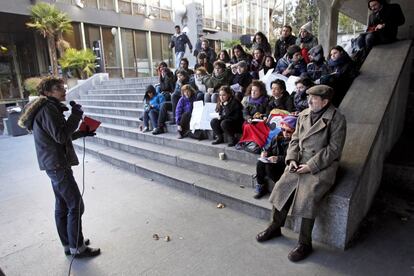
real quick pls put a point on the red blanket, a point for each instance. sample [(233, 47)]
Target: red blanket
[(255, 132)]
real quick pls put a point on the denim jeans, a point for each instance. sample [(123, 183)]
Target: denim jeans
[(178, 57), (68, 208), (151, 115)]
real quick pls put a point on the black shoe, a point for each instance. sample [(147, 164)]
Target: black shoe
[(300, 252), (233, 142), (219, 140), (271, 232), (158, 130), (86, 242), (88, 252), (260, 194)]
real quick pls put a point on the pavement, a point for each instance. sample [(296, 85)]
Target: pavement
[(123, 211)]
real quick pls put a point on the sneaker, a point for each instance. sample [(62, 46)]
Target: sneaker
[(260, 191), (158, 131), (146, 129)]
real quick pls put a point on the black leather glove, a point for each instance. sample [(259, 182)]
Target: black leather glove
[(80, 134), (77, 110)]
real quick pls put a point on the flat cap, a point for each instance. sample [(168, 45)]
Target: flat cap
[(324, 91)]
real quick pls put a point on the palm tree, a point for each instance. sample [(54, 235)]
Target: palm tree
[(51, 23)]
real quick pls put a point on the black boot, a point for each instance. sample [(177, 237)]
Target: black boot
[(233, 142), (218, 140), (300, 252)]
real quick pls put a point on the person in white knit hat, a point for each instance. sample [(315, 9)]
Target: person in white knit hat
[(306, 40)]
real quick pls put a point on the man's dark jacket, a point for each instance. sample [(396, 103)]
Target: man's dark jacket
[(281, 46), (52, 132)]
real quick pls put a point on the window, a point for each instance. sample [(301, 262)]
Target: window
[(141, 54), (74, 37), (106, 4), (128, 53), (124, 6), (111, 52), (160, 49)]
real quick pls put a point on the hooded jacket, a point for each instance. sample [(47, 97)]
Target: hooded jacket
[(52, 132)]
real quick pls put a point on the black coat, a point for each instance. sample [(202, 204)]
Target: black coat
[(250, 109), (285, 102), (167, 83), (52, 133), (390, 15), (233, 111), (282, 45), (278, 147)]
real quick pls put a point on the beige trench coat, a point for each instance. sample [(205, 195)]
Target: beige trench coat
[(319, 146)]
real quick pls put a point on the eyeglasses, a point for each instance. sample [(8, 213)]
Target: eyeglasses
[(287, 130)]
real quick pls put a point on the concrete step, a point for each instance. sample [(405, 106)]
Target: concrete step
[(112, 103), (116, 119), (207, 187), (235, 172), (131, 81), (117, 97), (122, 86), (107, 110), (117, 91), (170, 139)]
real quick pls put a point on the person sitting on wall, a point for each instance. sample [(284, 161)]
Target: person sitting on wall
[(230, 118), (272, 163), (178, 42), (312, 160), (286, 39), (382, 25)]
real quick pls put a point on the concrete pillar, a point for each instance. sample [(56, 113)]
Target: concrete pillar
[(328, 23)]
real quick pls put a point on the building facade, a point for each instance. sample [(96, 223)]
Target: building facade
[(132, 35)]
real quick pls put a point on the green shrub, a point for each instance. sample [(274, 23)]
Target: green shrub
[(81, 63)]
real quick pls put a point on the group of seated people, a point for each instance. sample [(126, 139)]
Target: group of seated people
[(235, 77)]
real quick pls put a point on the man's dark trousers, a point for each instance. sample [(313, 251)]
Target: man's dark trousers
[(68, 207)]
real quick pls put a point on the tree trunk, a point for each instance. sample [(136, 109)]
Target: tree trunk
[(52, 55)]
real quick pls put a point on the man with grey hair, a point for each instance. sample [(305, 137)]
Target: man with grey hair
[(312, 160)]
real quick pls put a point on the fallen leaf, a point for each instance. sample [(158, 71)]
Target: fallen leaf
[(167, 238), (220, 206), (242, 186), (156, 237)]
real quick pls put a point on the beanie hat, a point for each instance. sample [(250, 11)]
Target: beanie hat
[(307, 27), (316, 52), (289, 121)]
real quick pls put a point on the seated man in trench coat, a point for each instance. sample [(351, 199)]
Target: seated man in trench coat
[(312, 161)]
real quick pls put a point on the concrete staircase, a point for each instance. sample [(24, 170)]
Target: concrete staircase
[(188, 164)]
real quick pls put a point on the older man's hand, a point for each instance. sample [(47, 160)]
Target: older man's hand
[(303, 168)]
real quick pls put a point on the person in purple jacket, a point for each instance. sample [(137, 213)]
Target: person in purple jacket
[(184, 109)]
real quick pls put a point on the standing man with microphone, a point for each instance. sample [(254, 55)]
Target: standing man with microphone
[(53, 136)]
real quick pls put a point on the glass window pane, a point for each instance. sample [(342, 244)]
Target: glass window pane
[(167, 55), (90, 3), (156, 49), (124, 6), (111, 53), (91, 35), (106, 4), (128, 53), (142, 59), (208, 8)]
